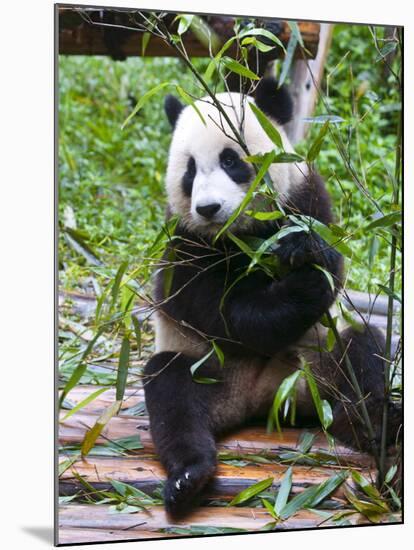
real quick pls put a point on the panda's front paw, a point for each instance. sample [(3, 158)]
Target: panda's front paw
[(299, 248), (182, 487)]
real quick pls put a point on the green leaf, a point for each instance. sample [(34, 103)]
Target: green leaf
[(267, 126), (330, 340), (269, 508), (83, 403), (317, 143), (123, 366), (252, 41), (310, 498), (238, 68), (389, 292), (294, 27), (251, 491), (328, 276), (66, 464), (145, 41), (190, 101), (384, 221), (248, 196), (264, 216), (283, 392), (327, 234), (117, 281), (80, 369), (323, 408), (284, 491), (305, 442), (205, 380), (391, 473), (287, 62), (219, 353), (185, 22), (262, 32), (143, 100), (214, 62), (93, 433), (195, 366), (369, 489)]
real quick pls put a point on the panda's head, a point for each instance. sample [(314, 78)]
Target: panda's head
[(207, 176)]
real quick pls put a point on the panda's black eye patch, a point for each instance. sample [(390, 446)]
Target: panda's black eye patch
[(235, 168), (189, 175)]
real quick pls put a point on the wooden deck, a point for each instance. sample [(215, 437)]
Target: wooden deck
[(91, 522)]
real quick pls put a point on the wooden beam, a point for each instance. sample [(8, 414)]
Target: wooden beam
[(78, 37)]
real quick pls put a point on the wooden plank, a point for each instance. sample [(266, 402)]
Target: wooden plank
[(78, 37), (306, 78), (88, 523), (251, 439), (147, 474)]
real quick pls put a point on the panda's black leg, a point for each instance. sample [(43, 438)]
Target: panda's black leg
[(365, 350), (181, 426)]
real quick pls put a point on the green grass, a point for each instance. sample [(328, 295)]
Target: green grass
[(111, 181)]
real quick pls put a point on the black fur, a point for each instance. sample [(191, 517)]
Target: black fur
[(173, 108), (238, 170), (274, 101), (188, 178)]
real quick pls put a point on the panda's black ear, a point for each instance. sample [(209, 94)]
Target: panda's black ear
[(273, 101), (173, 108)]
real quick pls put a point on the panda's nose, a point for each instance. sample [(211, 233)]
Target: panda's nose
[(208, 210)]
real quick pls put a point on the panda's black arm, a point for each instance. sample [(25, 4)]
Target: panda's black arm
[(264, 315)]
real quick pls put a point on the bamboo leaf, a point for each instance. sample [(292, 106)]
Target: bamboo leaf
[(317, 143), (184, 24), (190, 101), (200, 362), (269, 508), (143, 100), (264, 216), (271, 131), (284, 491), (251, 491), (262, 32), (305, 442), (384, 221), (310, 498), (93, 433), (145, 41), (247, 198), (219, 353), (123, 366), (80, 369), (287, 62), (236, 67), (294, 27), (285, 388), (117, 281), (91, 397)]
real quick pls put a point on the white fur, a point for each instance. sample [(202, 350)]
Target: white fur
[(205, 143)]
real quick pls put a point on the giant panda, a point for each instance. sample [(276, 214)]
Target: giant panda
[(265, 325)]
